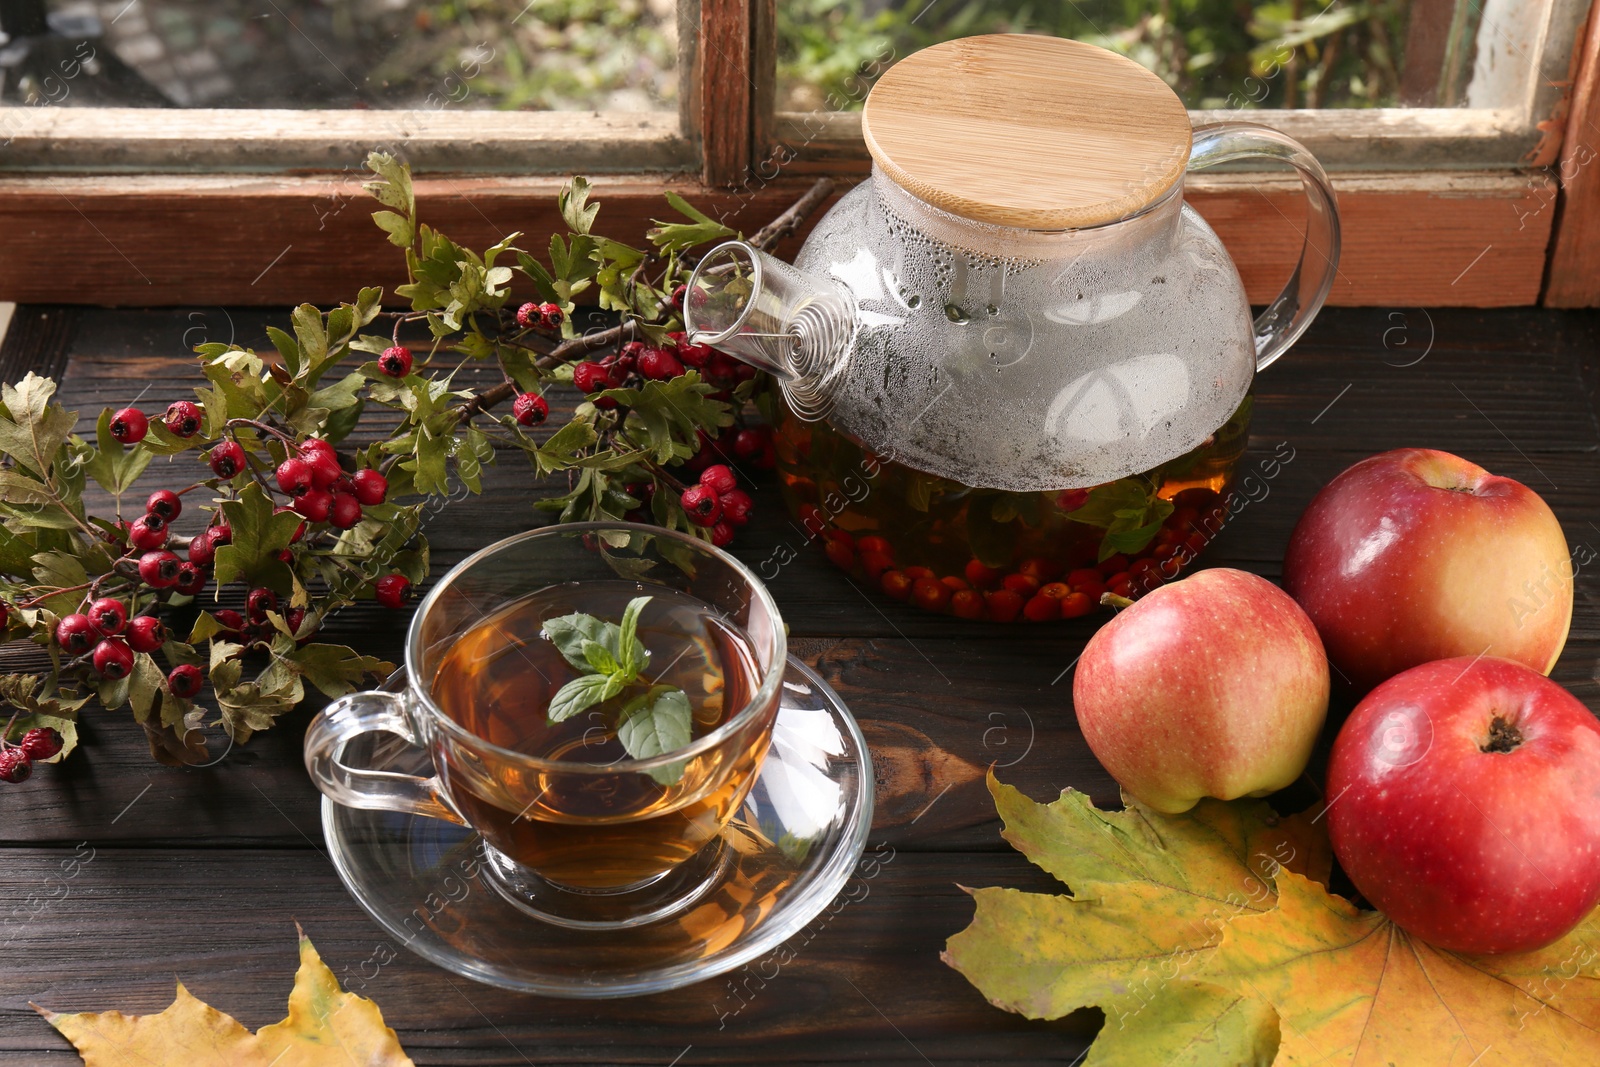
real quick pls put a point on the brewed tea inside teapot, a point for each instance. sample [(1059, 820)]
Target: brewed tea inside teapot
[(1016, 336)]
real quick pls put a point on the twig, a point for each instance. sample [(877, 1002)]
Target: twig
[(768, 236)]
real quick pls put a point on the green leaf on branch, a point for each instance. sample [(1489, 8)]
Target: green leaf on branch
[(32, 429), (672, 413), (146, 686), (564, 446), (114, 467), (336, 670), (576, 211), (35, 694), (258, 536), (679, 236)]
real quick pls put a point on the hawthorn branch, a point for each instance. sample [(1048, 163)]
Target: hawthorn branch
[(766, 239)]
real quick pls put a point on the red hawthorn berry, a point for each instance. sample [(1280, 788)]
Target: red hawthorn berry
[(15, 766), (589, 377), (109, 616), (897, 584), (183, 418), (721, 534), (1041, 608), (325, 469), (658, 364), (146, 633), (202, 549), (346, 511), (227, 459), (313, 446), (260, 601), (5, 614), (159, 569), (130, 425), (232, 622), (295, 618), (528, 316), (76, 634), (148, 532), (371, 487), (396, 361), (675, 301), (930, 594), (315, 504), (165, 503), (736, 506), (113, 658), (185, 681), (529, 409), (40, 743), (392, 590), (550, 316), (191, 579), (979, 574), (294, 476), (628, 355), (691, 355), (719, 479), (748, 443), (1004, 605), (967, 604), (701, 504)]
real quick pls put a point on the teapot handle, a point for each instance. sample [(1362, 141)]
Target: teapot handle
[(1287, 317)]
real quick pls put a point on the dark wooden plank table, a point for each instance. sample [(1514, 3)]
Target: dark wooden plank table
[(202, 873)]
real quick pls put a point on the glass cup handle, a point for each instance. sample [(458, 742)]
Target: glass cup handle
[(1287, 317), (360, 787)]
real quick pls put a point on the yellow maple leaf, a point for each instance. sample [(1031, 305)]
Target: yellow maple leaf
[(325, 1026), (1351, 989), (1151, 895)]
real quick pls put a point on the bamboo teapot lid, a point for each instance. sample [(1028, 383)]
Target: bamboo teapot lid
[(1027, 131)]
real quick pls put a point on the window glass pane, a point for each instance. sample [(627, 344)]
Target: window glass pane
[(1214, 53), (615, 55)]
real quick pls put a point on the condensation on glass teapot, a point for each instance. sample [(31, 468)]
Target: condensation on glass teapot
[(1018, 298)]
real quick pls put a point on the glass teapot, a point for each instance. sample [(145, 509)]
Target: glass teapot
[(1014, 368)]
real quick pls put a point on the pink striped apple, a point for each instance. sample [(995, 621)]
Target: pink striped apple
[(1213, 686)]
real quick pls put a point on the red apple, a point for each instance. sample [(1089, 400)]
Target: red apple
[(1464, 802), (1215, 686), (1417, 555)]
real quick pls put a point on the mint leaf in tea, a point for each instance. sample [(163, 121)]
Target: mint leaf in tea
[(597, 685)]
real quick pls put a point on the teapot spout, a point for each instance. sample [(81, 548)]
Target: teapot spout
[(765, 312)]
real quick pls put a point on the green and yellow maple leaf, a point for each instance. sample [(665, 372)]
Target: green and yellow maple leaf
[(1151, 896), (1351, 989), (1211, 938), (325, 1027)]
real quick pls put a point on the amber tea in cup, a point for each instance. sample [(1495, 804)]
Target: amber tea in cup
[(606, 818), (596, 831)]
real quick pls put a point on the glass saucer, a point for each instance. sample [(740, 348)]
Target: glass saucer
[(786, 855)]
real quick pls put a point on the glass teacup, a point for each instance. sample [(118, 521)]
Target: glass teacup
[(577, 831)]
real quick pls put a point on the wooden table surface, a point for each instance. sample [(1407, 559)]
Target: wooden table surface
[(202, 873)]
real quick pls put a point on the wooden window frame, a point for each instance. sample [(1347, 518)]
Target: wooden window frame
[(285, 226)]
